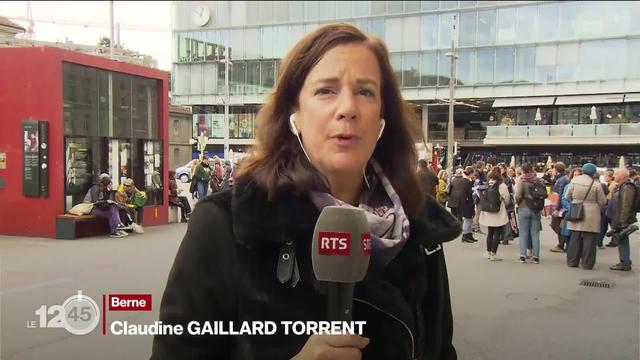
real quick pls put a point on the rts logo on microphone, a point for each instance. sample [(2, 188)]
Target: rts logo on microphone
[(334, 243), (339, 243), (366, 244)]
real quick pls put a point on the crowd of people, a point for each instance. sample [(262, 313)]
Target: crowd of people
[(210, 176), (511, 202)]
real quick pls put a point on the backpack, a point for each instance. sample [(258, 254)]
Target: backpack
[(490, 198), (536, 194)]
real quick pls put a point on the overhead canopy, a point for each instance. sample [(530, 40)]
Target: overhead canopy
[(524, 101), (632, 97), (589, 99)]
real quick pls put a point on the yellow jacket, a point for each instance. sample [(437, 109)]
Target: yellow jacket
[(123, 198), (441, 191)]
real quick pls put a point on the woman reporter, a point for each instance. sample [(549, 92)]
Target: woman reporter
[(334, 132)]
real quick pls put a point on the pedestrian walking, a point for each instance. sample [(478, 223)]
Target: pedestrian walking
[(480, 179), (530, 203), (456, 189), (466, 208), (202, 176), (441, 189), (625, 201), (560, 181), (496, 193), (584, 233)]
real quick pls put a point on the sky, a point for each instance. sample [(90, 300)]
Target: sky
[(145, 25)]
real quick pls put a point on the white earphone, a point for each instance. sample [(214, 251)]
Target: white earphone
[(292, 124), (382, 124)]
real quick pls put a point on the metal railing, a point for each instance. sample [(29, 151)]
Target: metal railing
[(437, 135), (475, 134), (575, 130)]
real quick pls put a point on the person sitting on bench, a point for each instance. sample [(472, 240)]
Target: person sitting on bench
[(104, 207), (130, 211), (176, 200)]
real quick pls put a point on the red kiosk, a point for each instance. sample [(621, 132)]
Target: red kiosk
[(66, 118)]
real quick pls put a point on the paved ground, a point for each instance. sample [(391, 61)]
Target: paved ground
[(508, 310), (503, 310)]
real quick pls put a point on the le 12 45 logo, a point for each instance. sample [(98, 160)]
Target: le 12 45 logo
[(79, 315)]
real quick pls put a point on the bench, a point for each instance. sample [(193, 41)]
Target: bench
[(175, 213), (70, 227)]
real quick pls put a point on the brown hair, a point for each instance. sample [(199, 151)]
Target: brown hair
[(576, 170), (527, 168), (560, 167), (277, 162), (496, 175)]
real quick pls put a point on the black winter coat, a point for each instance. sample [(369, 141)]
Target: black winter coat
[(456, 192), (230, 267), (463, 201)]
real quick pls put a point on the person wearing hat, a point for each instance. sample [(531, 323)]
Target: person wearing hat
[(129, 210), (584, 233), (104, 207)]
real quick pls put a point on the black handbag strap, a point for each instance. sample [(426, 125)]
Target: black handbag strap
[(590, 186)]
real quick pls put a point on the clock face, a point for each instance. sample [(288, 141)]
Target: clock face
[(200, 15)]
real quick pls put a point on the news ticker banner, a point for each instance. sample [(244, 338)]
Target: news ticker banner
[(80, 315)]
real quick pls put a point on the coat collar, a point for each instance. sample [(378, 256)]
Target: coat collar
[(258, 221)]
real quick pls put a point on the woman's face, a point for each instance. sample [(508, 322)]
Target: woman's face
[(340, 109)]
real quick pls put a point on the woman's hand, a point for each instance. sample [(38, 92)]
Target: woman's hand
[(334, 347)]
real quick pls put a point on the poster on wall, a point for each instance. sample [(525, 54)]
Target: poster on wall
[(201, 123), (233, 126), (217, 126), (246, 126), (30, 159)]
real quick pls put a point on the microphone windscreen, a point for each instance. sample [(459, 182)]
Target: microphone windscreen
[(341, 245)]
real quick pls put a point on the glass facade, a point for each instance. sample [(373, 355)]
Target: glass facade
[(570, 115), (114, 132), (210, 119), (504, 49), (500, 43)]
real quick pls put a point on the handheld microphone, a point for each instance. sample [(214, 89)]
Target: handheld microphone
[(340, 256)]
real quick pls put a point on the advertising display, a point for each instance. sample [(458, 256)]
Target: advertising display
[(35, 179)]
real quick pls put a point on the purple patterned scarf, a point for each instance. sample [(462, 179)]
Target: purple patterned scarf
[(383, 208)]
